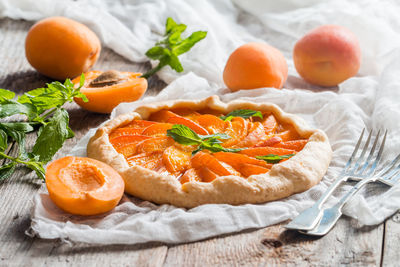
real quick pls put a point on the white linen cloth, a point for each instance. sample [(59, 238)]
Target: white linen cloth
[(372, 100)]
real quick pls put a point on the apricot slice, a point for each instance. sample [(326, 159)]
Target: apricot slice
[(124, 140), (235, 160), (149, 160), (257, 134), (105, 90), (269, 142), (162, 115), (270, 124), (262, 151), (206, 175), (159, 143), (237, 130), (157, 129), (189, 123), (202, 159), (247, 169), (139, 124), (83, 186), (125, 131), (176, 160), (211, 123), (289, 134), (190, 175), (296, 145)]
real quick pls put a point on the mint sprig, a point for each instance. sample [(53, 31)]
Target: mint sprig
[(272, 158), (173, 45), (43, 110), (186, 136), (244, 113)]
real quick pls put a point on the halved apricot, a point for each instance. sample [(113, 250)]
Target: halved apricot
[(189, 123), (296, 145), (157, 129), (105, 90), (175, 160), (159, 143), (83, 186), (235, 159), (262, 151), (247, 169)]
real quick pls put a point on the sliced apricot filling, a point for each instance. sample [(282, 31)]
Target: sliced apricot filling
[(203, 145)]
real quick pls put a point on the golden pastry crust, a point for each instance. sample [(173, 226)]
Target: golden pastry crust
[(295, 175)]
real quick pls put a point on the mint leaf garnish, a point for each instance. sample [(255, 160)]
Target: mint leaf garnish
[(272, 158), (244, 113)]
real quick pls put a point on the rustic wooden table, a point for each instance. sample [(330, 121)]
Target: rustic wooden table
[(344, 245)]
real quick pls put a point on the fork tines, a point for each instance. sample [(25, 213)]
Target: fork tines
[(362, 166)]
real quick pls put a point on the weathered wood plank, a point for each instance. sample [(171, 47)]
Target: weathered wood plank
[(16, 193), (391, 245), (273, 246)]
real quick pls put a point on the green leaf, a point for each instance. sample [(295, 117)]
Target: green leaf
[(6, 95), (189, 42), (171, 27), (3, 141), (173, 45), (17, 126), (7, 170), (11, 107), (38, 167), (52, 136), (244, 113), (216, 135), (272, 158), (184, 135), (17, 130), (155, 52), (175, 63), (81, 81)]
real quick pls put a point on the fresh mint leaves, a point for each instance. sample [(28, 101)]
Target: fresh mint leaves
[(43, 110), (173, 45), (272, 158), (244, 113), (186, 136)]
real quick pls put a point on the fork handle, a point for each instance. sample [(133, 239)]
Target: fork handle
[(331, 215), (310, 217)]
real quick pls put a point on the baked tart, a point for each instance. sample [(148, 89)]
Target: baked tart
[(188, 153)]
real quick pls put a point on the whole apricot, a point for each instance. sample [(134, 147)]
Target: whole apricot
[(327, 55), (255, 65), (61, 48)]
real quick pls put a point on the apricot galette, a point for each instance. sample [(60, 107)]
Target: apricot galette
[(188, 153)]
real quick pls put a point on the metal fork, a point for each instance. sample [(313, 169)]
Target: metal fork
[(390, 175), (310, 217)]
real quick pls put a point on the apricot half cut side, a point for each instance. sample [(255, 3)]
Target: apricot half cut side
[(105, 90), (83, 186)]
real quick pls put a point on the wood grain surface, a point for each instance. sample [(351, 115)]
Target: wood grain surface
[(271, 246)]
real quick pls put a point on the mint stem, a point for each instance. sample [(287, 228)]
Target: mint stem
[(152, 71)]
